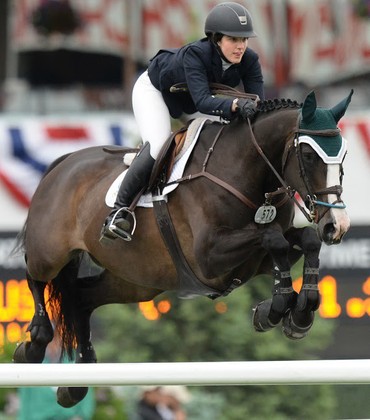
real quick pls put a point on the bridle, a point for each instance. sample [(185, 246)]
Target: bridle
[(310, 200)]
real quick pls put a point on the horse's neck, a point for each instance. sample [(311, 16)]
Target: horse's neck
[(273, 131), (235, 150)]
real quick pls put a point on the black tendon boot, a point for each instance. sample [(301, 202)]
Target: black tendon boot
[(117, 224)]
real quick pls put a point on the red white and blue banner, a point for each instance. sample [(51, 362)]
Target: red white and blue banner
[(28, 145)]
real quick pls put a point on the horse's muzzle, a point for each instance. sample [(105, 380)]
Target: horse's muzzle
[(333, 226)]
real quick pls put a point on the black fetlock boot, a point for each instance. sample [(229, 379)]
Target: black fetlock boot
[(118, 223)]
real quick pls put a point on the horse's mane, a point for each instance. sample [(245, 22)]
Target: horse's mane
[(274, 104), (263, 106)]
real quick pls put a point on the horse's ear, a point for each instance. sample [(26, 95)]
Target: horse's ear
[(309, 107), (339, 110)]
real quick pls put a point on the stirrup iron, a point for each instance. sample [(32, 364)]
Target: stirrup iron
[(120, 232)]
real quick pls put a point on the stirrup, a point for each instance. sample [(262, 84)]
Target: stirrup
[(126, 236)]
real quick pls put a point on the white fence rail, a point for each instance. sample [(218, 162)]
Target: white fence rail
[(298, 372)]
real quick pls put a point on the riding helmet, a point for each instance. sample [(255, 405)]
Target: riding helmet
[(230, 19)]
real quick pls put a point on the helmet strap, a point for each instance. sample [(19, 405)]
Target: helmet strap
[(215, 39)]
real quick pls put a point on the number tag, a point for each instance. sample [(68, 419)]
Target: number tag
[(265, 214)]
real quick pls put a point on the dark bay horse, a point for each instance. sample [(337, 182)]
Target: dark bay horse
[(232, 213)]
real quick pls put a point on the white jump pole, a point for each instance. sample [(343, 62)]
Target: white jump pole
[(298, 372)]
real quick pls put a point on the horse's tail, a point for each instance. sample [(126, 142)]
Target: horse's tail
[(19, 242), (63, 303)]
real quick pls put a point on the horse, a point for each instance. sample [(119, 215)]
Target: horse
[(230, 218)]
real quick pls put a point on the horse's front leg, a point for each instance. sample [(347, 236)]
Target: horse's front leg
[(299, 320), (269, 313), (40, 328)]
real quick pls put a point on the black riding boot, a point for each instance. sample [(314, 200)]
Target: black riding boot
[(117, 224)]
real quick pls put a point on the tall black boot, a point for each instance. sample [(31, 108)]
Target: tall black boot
[(118, 224)]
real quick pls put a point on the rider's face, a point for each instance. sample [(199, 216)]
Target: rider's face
[(233, 48)]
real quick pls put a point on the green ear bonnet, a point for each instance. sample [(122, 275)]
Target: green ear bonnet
[(329, 145)]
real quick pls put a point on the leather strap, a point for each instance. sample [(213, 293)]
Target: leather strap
[(214, 178), (188, 281), (222, 184)]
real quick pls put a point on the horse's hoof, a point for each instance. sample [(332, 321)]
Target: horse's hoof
[(20, 353), (260, 319), (293, 331), (87, 355), (25, 353), (68, 396)]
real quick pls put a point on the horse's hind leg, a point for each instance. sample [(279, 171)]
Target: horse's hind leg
[(299, 320), (270, 312), (88, 293), (40, 328), (85, 353)]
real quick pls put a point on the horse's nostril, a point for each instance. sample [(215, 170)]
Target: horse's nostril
[(329, 229)]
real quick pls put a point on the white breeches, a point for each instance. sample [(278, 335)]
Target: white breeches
[(152, 115)]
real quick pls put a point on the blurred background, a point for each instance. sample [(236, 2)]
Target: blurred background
[(66, 73)]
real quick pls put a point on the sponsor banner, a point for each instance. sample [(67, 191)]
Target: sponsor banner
[(345, 273), (16, 304), (345, 293)]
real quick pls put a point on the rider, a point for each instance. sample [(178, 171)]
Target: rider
[(221, 57)]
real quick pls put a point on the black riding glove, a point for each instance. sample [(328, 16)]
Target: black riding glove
[(246, 108)]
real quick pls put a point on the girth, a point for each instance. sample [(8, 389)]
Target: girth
[(189, 284)]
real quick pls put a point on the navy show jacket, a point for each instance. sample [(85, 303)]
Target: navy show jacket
[(197, 64)]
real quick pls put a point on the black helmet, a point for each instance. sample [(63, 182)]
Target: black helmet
[(230, 19)]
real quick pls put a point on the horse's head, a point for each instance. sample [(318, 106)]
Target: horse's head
[(320, 151)]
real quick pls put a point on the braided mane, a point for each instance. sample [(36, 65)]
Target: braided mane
[(274, 104), (263, 106)]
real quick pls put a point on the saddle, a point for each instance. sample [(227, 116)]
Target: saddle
[(165, 160), (164, 163)]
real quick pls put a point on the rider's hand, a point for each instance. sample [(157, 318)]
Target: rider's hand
[(246, 108)]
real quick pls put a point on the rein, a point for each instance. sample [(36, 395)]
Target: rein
[(243, 198), (215, 179), (286, 188)]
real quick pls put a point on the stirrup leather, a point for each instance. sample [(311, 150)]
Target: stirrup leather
[(120, 232)]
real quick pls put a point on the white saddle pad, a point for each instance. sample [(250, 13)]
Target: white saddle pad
[(192, 135)]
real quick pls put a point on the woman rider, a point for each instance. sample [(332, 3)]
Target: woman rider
[(221, 57)]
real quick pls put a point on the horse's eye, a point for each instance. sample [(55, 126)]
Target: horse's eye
[(308, 157)]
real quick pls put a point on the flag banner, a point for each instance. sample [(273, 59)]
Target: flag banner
[(28, 145)]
